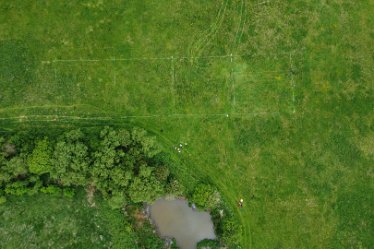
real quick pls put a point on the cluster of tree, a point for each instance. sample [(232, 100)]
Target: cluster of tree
[(124, 166)]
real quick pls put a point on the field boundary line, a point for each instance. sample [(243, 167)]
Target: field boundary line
[(160, 58), (114, 78), (232, 79), (177, 115), (292, 85), (135, 59), (242, 21), (172, 82), (47, 106)]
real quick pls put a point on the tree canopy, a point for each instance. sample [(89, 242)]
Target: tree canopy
[(121, 164)]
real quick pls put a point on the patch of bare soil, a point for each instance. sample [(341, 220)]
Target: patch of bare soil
[(139, 217), (90, 191)]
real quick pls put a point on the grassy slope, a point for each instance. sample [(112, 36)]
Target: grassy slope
[(44, 221), (298, 90)]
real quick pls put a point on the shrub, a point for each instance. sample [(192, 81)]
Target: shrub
[(2, 200), (205, 196), (173, 244), (117, 200), (175, 188), (53, 190), (231, 231), (208, 244), (16, 188), (68, 193)]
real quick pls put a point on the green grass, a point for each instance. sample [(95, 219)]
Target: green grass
[(298, 90), (44, 221)]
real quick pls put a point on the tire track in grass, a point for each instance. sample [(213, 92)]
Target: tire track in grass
[(242, 21), (201, 43), (48, 106)]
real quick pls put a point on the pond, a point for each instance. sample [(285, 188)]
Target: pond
[(175, 219)]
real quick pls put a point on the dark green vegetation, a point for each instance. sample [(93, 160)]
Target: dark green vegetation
[(297, 144), (123, 166)]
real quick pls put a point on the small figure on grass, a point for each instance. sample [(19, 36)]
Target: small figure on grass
[(180, 147), (241, 201)]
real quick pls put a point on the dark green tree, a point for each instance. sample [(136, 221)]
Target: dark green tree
[(4, 173), (12, 166), (70, 160), (17, 166), (122, 166), (142, 144), (113, 166), (145, 187), (4, 176)]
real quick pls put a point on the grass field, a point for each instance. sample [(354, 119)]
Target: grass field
[(274, 98), (45, 221)]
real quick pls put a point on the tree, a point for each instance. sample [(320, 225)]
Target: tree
[(9, 149), (121, 165), (70, 160), (143, 143), (17, 166), (110, 159), (4, 176), (4, 173), (13, 168), (121, 178), (145, 187), (39, 161)]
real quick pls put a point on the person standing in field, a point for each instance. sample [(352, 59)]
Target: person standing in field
[(241, 203)]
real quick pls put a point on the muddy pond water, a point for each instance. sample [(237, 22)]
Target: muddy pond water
[(174, 218)]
